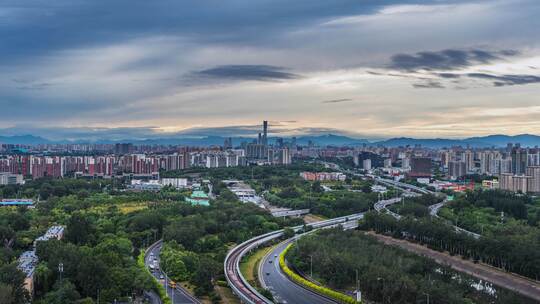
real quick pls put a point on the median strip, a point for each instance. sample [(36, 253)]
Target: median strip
[(332, 294), (157, 286)]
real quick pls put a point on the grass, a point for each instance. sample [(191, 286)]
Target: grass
[(124, 208), (132, 207), (311, 218), (250, 265), (227, 297)]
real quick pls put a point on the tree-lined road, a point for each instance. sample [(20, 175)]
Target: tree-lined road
[(178, 294)]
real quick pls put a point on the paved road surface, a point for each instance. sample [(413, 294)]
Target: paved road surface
[(283, 290), (528, 288), (179, 295)]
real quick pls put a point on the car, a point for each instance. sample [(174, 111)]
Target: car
[(268, 273), (270, 261), (275, 256), (161, 277)]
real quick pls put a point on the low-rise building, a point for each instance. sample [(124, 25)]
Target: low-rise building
[(178, 183), (7, 178), (17, 202), (198, 197), (490, 184), (323, 176)]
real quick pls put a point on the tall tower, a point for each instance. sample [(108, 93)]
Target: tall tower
[(265, 133)]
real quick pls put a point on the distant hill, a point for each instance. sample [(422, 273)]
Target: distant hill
[(331, 140), (526, 140), (23, 140)]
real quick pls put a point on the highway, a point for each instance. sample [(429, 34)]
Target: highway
[(434, 210), (283, 289), (238, 283), (381, 205), (178, 295)]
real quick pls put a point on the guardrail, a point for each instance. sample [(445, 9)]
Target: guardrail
[(235, 279)]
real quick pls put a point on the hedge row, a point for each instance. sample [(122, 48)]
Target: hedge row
[(337, 296), (157, 286)]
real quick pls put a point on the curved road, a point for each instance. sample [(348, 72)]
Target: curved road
[(281, 287), (179, 295)]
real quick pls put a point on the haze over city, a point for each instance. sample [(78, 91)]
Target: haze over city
[(368, 69)]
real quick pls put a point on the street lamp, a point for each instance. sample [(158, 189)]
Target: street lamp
[(311, 266), (358, 293), (427, 294), (61, 269)]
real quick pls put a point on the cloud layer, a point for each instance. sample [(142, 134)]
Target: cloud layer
[(382, 67)]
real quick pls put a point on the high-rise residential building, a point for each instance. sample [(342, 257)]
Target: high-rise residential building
[(506, 165), (366, 164), (457, 169), (519, 160), (405, 163), (534, 182), (514, 183), (468, 158)]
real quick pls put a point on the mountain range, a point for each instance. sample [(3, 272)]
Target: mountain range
[(526, 140)]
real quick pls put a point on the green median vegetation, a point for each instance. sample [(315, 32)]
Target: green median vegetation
[(250, 265), (337, 296), (157, 287)]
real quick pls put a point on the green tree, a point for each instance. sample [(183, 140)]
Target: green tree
[(64, 292), (80, 229), (13, 278)]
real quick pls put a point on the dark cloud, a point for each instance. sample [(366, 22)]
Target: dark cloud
[(431, 84), (448, 75), (246, 72), (337, 100), (446, 60), (497, 80), (69, 24), (506, 80)]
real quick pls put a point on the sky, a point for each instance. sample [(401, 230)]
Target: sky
[(365, 68)]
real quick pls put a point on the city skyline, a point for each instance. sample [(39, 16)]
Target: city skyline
[(375, 69)]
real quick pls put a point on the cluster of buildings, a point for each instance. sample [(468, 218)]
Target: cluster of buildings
[(127, 159), (28, 260), (517, 168)]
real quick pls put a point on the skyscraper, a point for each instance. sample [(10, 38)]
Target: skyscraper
[(265, 133)]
